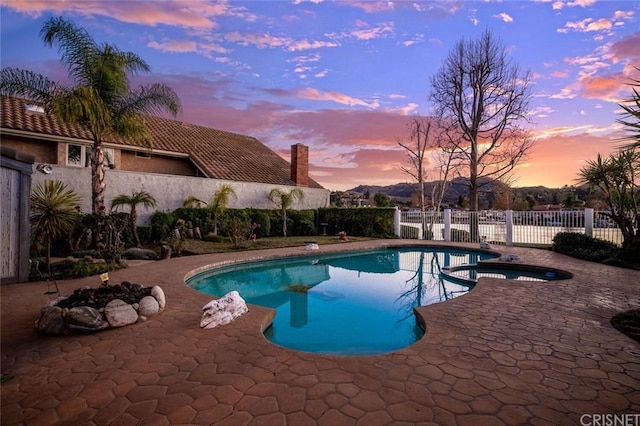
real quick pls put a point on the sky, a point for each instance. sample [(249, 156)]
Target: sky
[(347, 77)]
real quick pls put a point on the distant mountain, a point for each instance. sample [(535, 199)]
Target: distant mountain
[(405, 191), (531, 195)]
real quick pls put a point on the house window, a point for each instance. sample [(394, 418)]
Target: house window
[(143, 154), (76, 155), (80, 156)]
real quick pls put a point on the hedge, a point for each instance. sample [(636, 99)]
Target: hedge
[(359, 222)]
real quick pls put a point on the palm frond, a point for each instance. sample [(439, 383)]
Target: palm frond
[(136, 198), (132, 128), (193, 202), (75, 45), (151, 99), (53, 209), (28, 84)]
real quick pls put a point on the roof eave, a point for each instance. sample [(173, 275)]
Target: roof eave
[(56, 138)]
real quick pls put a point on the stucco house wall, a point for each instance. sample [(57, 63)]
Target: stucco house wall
[(170, 191), (185, 159)]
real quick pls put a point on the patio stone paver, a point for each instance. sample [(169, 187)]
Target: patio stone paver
[(507, 353)]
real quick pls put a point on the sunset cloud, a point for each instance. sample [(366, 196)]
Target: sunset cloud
[(319, 95), (373, 6), (627, 49), (504, 17), (346, 77), (187, 46), (587, 25), (267, 41), (195, 14), (609, 88), (379, 31)]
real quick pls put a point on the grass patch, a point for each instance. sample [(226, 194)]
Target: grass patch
[(195, 247)]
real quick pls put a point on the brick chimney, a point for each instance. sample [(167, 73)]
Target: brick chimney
[(300, 164)]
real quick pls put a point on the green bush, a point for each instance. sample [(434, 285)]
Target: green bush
[(359, 222), (67, 269), (584, 247), (161, 225), (263, 220), (230, 218), (144, 232), (301, 223), (195, 217)]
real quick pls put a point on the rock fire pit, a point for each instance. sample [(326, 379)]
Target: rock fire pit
[(88, 310)]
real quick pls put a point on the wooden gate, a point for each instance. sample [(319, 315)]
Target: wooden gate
[(15, 183)]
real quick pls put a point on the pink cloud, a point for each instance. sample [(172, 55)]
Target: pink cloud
[(373, 6), (175, 46), (588, 25), (379, 31), (609, 88), (319, 95), (187, 46), (173, 13), (627, 49), (267, 41)]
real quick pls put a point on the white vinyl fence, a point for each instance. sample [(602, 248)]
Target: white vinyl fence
[(529, 228)]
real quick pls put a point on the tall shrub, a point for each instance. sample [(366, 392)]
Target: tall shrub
[(53, 213)]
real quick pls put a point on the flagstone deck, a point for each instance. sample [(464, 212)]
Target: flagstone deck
[(507, 353)]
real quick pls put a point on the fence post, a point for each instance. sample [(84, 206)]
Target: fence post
[(447, 225), (588, 222), (508, 219), (396, 222)]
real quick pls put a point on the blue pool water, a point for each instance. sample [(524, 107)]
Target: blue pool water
[(358, 303)]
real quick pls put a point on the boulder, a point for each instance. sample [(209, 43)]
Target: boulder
[(148, 307), (157, 292), (222, 311), (135, 253), (197, 234), (85, 318), (51, 321), (120, 313)]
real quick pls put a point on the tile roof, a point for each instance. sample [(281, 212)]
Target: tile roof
[(219, 154)]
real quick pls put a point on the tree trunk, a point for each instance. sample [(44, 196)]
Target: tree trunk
[(473, 192), (48, 257), (134, 226), (284, 222), (98, 183)]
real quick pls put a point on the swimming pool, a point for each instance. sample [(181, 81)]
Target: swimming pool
[(357, 303)]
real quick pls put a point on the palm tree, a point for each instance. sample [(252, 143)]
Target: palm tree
[(617, 176), (53, 213), (284, 200), (100, 98), (133, 201), (631, 116), (193, 202), (219, 203)]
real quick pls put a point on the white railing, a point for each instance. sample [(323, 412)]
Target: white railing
[(531, 228)]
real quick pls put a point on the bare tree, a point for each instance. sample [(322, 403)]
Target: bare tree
[(483, 97), (422, 144)]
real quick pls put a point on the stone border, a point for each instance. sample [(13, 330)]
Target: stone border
[(56, 320)]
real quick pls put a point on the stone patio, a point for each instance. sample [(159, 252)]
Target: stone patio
[(507, 353)]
